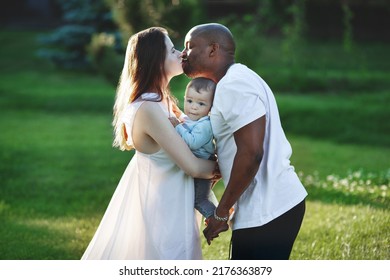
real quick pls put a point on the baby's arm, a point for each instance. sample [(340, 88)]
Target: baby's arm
[(199, 136)]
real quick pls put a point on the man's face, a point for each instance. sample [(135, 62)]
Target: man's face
[(195, 55)]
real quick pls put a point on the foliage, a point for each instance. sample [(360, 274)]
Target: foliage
[(177, 16), (88, 38), (106, 59), (270, 18), (310, 115), (66, 46), (132, 16), (287, 61), (347, 20), (244, 31), (293, 33)]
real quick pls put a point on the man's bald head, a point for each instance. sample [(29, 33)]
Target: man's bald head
[(208, 51), (215, 33)]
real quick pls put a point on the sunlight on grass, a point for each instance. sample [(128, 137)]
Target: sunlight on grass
[(356, 188), (338, 232)]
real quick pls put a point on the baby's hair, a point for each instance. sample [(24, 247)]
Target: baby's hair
[(199, 84)]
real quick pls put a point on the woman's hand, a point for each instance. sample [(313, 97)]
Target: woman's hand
[(216, 175), (176, 110), (174, 121)]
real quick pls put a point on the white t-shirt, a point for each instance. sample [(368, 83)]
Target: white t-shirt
[(240, 98)]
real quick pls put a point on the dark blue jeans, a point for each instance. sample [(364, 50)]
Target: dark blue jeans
[(205, 200)]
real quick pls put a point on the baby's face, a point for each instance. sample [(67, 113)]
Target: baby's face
[(197, 104)]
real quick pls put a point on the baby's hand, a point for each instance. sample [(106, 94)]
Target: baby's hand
[(174, 121)]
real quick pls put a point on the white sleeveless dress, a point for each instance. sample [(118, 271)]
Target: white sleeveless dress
[(151, 214)]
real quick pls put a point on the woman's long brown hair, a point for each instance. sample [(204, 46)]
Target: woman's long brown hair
[(143, 71)]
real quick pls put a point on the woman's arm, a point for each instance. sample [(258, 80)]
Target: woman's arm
[(158, 127)]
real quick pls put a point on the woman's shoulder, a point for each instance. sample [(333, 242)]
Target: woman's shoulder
[(132, 109), (145, 98), (149, 106), (150, 111)]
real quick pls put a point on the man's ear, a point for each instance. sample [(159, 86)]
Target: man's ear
[(214, 47)]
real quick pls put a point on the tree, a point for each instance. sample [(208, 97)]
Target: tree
[(175, 15), (66, 46), (132, 16)]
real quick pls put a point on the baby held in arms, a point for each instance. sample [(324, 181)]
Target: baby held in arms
[(195, 130)]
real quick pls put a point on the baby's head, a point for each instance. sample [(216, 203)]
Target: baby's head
[(199, 98)]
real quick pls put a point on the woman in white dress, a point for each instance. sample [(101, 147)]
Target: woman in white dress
[(151, 214)]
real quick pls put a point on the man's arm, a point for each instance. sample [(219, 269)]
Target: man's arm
[(249, 141)]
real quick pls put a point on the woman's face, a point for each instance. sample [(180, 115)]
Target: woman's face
[(172, 63)]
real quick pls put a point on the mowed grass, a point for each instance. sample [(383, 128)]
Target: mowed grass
[(58, 170)]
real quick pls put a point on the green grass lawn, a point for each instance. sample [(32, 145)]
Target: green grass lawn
[(58, 169)]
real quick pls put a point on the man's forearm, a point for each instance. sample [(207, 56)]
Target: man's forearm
[(249, 141), (245, 167)]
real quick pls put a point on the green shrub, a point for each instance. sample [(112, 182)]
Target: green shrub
[(66, 46)]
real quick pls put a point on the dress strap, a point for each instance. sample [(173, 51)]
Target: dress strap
[(132, 108)]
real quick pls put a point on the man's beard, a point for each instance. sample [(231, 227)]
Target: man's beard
[(190, 71)]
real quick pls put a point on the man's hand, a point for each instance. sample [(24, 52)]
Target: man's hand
[(213, 229)]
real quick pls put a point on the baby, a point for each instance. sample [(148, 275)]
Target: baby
[(195, 129)]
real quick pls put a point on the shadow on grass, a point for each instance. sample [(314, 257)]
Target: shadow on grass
[(26, 241), (57, 104)]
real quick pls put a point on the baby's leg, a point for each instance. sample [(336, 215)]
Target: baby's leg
[(205, 200)]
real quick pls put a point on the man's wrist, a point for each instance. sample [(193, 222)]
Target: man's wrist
[(219, 218)]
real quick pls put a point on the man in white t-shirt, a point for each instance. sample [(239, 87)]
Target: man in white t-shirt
[(253, 152)]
